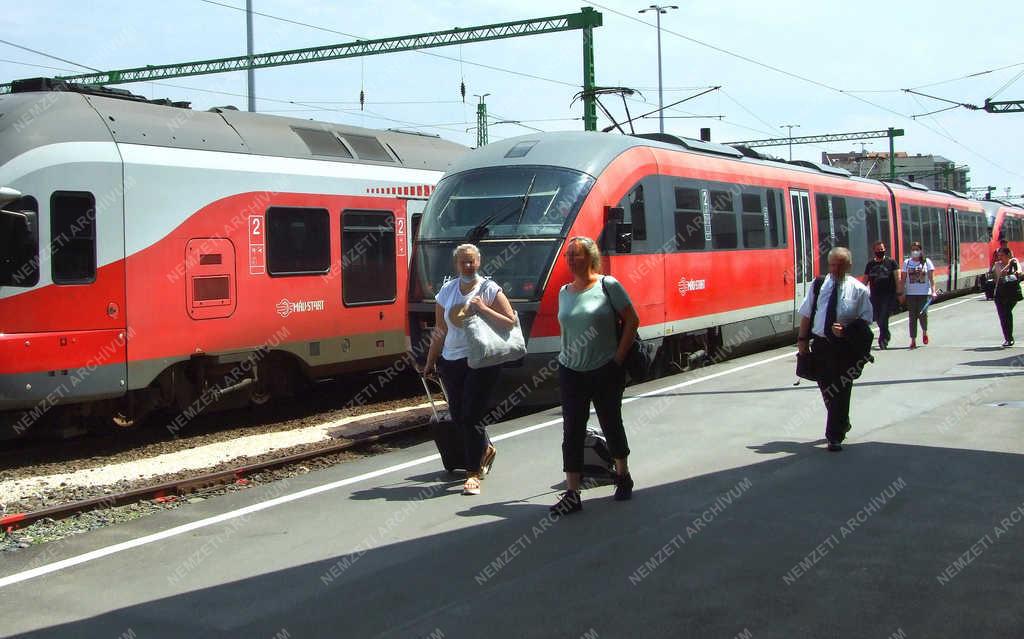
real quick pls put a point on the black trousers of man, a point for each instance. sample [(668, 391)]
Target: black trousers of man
[(881, 308), (836, 386)]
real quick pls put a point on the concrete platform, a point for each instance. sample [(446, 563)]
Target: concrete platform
[(741, 524)]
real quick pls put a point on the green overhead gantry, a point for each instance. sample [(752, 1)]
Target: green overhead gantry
[(585, 20), (831, 137)]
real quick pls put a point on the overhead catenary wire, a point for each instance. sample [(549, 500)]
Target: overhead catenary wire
[(803, 78), (47, 55)]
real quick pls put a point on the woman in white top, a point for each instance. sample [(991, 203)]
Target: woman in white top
[(469, 389), (917, 287)]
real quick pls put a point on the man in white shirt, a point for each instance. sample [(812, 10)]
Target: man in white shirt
[(841, 318)]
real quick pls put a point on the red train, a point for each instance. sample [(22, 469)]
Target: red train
[(154, 256), (715, 247)]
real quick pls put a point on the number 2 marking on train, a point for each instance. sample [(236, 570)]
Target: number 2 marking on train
[(255, 225), (401, 226)]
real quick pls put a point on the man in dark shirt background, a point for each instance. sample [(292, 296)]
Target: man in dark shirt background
[(882, 280)]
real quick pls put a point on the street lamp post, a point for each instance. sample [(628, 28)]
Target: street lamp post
[(790, 136), (658, 10)]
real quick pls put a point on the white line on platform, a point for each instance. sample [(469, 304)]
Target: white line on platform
[(277, 501)]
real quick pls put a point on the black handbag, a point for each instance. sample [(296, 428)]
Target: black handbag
[(640, 359)]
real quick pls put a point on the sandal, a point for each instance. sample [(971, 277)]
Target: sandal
[(472, 486), (488, 460)]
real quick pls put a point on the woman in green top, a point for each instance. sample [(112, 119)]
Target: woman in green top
[(590, 366)]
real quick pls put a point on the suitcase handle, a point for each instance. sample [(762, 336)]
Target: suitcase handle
[(427, 381)]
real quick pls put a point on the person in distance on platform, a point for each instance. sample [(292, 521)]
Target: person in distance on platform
[(1007, 272), (917, 288), (591, 367), (469, 389), (839, 341), (881, 272)]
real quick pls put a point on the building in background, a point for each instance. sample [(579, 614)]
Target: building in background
[(934, 171)]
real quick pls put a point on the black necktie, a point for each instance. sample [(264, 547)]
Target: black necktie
[(830, 312)]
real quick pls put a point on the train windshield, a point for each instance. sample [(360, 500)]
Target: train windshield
[(516, 215), (504, 202)]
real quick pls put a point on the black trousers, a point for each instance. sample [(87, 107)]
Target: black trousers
[(836, 386), (1004, 307), (882, 307), (469, 393), (604, 388)]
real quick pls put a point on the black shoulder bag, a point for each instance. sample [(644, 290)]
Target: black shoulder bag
[(640, 359), (805, 368)]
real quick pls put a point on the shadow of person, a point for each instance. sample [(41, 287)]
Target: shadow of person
[(511, 510), (1013, 361), (794, 448), (443, 484)]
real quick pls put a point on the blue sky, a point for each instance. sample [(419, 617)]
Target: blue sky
[(852, 59)]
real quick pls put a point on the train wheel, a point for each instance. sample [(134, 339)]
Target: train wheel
[(259, 397)]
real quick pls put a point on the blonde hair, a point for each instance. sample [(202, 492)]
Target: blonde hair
[(465, 248), (590, 247)]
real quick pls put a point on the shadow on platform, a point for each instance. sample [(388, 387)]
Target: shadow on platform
[(804, 544)]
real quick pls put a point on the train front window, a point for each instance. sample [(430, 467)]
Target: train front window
[(19, 243), (504, 202)]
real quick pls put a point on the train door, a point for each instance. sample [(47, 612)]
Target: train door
[(803, 244), (952, 248), (414, 209)]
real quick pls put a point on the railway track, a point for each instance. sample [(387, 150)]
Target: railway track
[(363, 436)]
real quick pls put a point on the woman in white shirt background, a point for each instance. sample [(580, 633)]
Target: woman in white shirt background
[(469, 389), (917, 285)]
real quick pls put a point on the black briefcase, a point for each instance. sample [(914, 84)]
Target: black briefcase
[(450, 440), (805, 368)]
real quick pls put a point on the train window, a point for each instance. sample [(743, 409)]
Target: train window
[(321, 142), (298, 241), (776, 219), (724, 234), (884, 224), (754, 221), (367, 147), (634, 203), (19, 243), (73, 237), (940, 249), (871, 222), (825, 233), (840, 222), (368, 266), (689, 220)]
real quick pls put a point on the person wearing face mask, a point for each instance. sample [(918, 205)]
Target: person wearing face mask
[(839, 339), (917, 281), (468, 389), (881, 275)]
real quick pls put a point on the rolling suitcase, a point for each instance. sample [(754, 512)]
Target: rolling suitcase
[(449, 439)]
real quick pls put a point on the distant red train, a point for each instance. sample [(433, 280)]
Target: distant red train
[(716, 248), (152, 256)]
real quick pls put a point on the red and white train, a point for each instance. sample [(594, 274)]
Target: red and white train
[(154, 256), (716, 248)]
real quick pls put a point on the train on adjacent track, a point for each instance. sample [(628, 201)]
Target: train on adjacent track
[(715, 245), (154, 256)]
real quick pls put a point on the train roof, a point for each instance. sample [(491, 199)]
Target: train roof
[(591, 152), (40, 118)]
